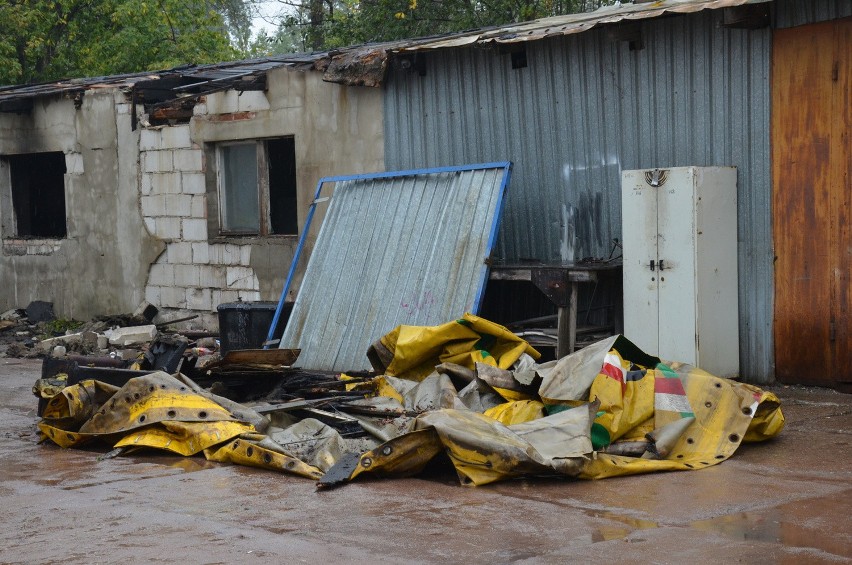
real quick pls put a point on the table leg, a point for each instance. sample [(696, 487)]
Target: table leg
[(566, 326)]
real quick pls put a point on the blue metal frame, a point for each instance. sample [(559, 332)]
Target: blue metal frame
[(505, 165)]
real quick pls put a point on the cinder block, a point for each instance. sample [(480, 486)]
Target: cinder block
[(168, 228), (150, 225), (165, 183), (224, 296), (147, 184), (188, 160), (175, 137), (178, 205), (194, 229), (200, 253), (213, 276), (74, 164), (132, 335), (149, 140), (199, 109), (152, 294), (173, 297), (187, 275), (157, 162), (199, 299), (198, 208), (194, 183), (222, 102), (161, 274), (153, 205), (179, 253), (252, 101), (231, 254), (241, 278), (249, 295), (245, 255)]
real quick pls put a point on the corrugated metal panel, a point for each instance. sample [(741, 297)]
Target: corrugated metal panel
[(587, 107), (791, 13), (400, 250)]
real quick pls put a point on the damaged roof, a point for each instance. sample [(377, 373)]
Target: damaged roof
[(363, 65)]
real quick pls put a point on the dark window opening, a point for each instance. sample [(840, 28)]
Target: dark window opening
[(281, 156), (38, 194)]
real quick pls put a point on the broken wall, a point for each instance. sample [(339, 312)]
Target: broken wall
[(336, 129), (101, 264)]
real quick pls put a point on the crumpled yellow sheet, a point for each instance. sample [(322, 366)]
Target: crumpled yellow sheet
[(607, 410)]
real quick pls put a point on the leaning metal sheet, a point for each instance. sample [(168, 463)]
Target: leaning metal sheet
[(397, 248)]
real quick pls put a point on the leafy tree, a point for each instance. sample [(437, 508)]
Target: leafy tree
[(325, 24), (43, 40)]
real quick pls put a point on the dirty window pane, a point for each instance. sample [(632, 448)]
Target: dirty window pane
[(240, 210)]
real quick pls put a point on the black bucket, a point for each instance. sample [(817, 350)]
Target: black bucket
[(245, 325)]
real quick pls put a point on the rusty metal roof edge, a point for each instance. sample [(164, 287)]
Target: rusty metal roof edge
[(568, 24)]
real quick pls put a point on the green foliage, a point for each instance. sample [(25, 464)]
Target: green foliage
[(326, 24), (58, 327), (44, 40)]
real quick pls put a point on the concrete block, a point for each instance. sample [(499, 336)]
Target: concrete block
[(149, 140), (231, 254), (224, 296), (249, 295), (177, 205), (150, 225), (129, 354), (252, 101), (179, 253), (59, 351), (73, 164), (198, 207), (199, 109), (189, 160), (245, 255), (152, 293), (157, 162), (144, 310), (199, 299), (147, 184), (175, 137), (153, 205), (222, 102), (131, 335), (241, 278), (161, 274), (213, 276), (47, 345), (194, 229), (168, 228), (187, 275), (194, 183), (165, 183), (200, 253), (173, 297), (123, 109)]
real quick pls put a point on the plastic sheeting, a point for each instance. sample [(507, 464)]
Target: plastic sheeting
[(607, 410)]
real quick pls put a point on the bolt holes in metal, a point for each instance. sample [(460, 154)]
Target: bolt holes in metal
[(387, 450), (734, 438), (747, 411), (202, 414)]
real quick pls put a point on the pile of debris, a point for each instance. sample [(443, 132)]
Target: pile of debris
[(468, 393)]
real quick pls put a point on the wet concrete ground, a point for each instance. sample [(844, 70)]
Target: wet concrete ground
[(784, 501)]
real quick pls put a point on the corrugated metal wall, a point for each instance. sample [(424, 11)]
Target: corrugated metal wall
[(789, 13), (587, 107)]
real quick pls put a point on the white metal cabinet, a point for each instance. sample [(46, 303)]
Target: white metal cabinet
[(679, 231)]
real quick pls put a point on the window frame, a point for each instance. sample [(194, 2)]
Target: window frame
[(263, 189)]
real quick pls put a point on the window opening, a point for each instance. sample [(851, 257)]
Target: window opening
[(38, 194)]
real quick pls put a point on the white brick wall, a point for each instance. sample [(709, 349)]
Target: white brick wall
[(192, 274), (73, 164)]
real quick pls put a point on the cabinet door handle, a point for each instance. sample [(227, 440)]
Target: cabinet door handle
[(651, 265), (661, 264)]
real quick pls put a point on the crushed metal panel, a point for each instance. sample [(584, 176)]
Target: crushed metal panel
[(396, 248)]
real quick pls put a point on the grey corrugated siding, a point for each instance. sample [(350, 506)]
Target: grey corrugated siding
[(584, 109), (408, 250)]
